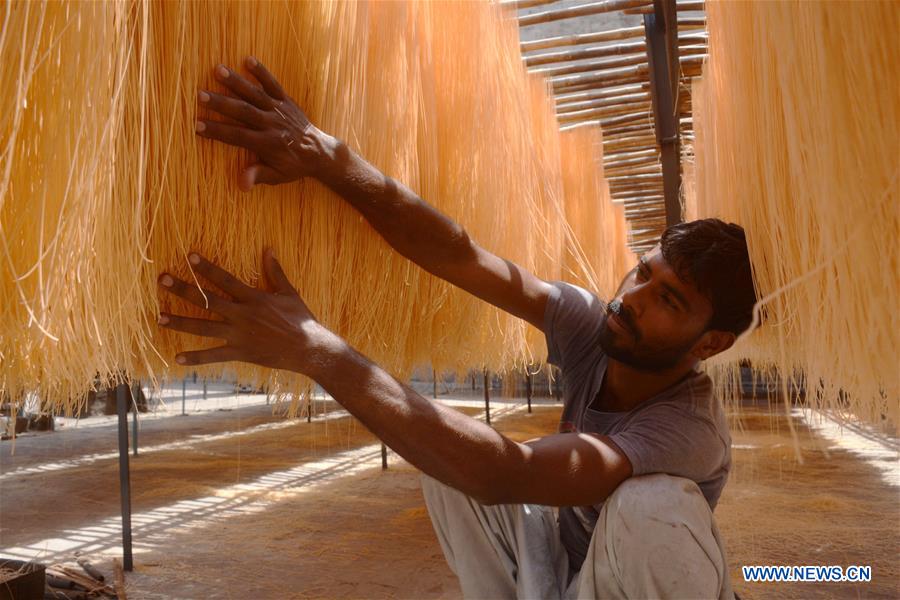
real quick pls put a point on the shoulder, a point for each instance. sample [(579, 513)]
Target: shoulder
[(572, 322), (684, 433)]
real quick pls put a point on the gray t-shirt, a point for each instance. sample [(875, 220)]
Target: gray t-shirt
[(681, 431)]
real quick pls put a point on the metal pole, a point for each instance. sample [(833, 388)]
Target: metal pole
[(528, 387), (124, 474), (183, 386), (204, 391), (433, 384), (383, 456), (487, 398)]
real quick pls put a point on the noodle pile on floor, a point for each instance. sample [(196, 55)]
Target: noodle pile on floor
[(104, 183), (797, 118)]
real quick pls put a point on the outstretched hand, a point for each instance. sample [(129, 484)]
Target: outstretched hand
[(271, 329), (268, 123)]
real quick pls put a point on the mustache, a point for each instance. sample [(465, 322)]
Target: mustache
[(617, 308)]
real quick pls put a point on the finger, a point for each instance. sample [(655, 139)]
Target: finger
[(268, 81), (234, 108), (204, 299), (275, 274), (243, 88), (258, 173), (202, 327), (223, 280), (204, 357), (232, 134)]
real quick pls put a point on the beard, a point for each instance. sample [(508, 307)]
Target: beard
[(631, 351)]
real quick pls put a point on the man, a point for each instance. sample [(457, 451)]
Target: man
[(643, 451)]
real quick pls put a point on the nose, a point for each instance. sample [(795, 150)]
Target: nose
[(633, 300)]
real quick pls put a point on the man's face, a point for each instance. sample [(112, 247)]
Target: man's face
[(655, 319)]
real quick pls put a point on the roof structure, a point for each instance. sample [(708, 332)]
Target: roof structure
[(633, 80)]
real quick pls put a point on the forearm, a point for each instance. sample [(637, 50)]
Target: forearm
[(410, 225), (443, 443)]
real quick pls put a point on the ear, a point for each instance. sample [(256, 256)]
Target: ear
[(713, 342)]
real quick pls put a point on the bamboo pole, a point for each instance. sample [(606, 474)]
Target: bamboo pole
[(623, 173), (624, 33), (614, 101), (631, 171), (581, 124), (630, 154), (651, 202), (644, 210), (635, 190), (688, 65), (646, 220), (641, 144), (608, 111), (609, 121), (581, 10), (600, 93), (611, 168), (520, 4), (613, 83), (680, 7), (600, 65), (583, 38), (635, 198), (629, 129), (639, 180), (651, 185), (637, 73), (584, 53)]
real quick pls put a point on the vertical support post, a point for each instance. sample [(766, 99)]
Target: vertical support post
[(122, 394), (660, 29), (433, 384), (383, 456), (528, 387), (134, 432), (183, 393), (204, 391), (487, 398), (309, 408)]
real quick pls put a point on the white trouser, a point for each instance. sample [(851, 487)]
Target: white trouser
[(655, 538)]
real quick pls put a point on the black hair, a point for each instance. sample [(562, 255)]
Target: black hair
[(712, 256)]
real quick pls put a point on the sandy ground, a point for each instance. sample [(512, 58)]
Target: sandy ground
[(234, 502)]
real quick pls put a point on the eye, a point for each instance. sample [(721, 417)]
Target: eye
[(668, 300), (639, 274)]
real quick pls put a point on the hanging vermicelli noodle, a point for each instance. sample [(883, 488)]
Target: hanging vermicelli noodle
[(797, 119), (104, 183)]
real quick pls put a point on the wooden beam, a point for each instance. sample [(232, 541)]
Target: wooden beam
[(662, 55)]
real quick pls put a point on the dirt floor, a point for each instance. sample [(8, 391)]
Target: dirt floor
[(239, 503)]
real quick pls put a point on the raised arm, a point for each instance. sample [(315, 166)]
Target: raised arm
[(288, 146), (277, 330)]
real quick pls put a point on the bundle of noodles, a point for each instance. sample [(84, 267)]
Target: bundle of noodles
[(598, 226), (434, 94), (796, 122)]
